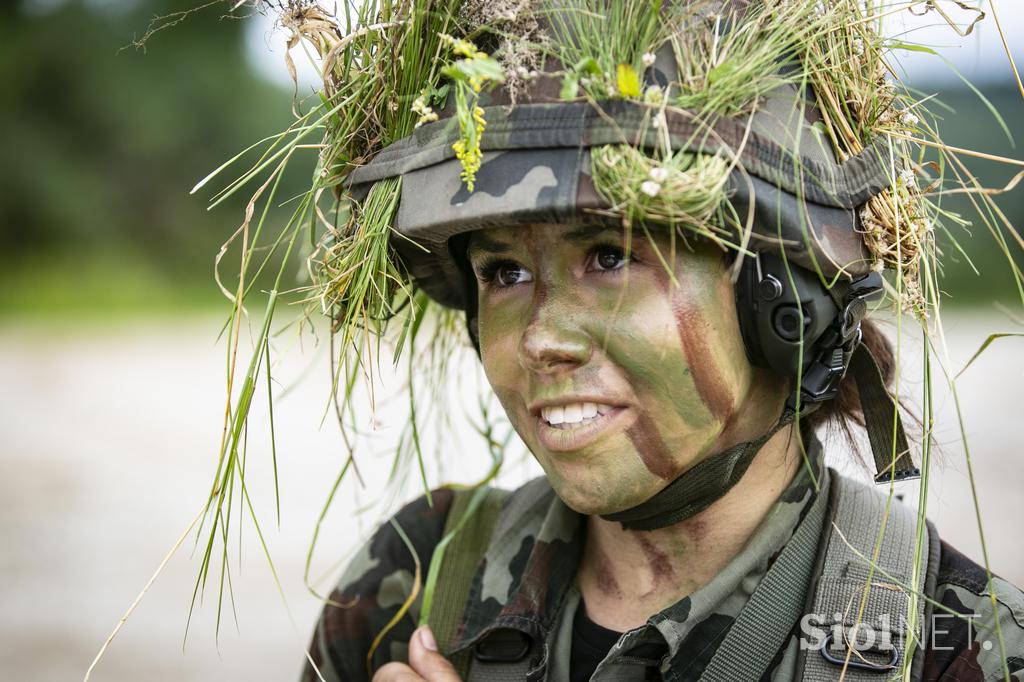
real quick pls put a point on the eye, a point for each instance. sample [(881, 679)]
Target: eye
[(502, 274), (510, 274), (607, 258)]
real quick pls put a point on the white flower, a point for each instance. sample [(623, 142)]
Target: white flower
[(654, 95), (878, 265), (650, 188), (648, 59), (908, 178), (659, 175), (658, 121), (908, 119), (420, 108)]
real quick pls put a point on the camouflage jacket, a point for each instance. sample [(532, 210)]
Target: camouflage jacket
[(526, 583)]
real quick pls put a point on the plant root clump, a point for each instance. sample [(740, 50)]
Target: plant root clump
[(518, 36)]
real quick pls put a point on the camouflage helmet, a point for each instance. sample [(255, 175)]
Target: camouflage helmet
[(537, 167), (777, 185)]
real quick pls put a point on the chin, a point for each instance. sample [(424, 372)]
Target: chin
[(589, 505), (600, 492)]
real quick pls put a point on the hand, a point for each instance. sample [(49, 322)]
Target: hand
[(426, 664)]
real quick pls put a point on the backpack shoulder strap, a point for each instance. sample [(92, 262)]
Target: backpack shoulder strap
[(467, 533), (848, 591)]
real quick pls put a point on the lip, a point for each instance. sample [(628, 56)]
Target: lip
[(577, 438)]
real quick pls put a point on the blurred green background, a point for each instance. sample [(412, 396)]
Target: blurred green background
[(103, 142), (102, 145)]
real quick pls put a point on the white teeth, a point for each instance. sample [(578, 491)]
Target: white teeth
[(574, 413)]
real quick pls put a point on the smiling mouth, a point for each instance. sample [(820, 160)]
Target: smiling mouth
[(569, 427), (574, 415)]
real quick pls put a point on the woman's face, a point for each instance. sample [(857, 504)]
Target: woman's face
[(617, 377)]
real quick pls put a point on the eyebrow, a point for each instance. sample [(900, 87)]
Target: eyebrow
[(588, 232), (481, 242), (583, 233)]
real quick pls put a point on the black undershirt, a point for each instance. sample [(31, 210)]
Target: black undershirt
[(592, 642)]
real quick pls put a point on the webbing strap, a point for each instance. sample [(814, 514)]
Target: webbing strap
[(882, 420), (700, 485), (767, 620), (470, 522), (859, 512)]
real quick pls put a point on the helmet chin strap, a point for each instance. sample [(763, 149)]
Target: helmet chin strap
[(702, 484)]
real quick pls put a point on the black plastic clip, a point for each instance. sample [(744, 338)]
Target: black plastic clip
[(856, 662), (503, 646)]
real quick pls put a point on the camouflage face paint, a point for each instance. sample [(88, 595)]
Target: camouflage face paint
[(601, 566), (651, 448), (711, 385), (557, 327), (657, 559)]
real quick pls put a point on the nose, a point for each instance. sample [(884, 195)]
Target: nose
[(551, 345)]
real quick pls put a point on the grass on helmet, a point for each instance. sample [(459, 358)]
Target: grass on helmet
[(683, 189), (387, 65), (734, 60)]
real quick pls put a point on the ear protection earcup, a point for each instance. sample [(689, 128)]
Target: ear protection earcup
[(784, 313)]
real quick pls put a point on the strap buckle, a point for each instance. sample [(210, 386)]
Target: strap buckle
[(859, 662)]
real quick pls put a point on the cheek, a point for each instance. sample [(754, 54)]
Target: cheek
[(680, 349), (708, 329), (500, 329), (648, 342), (675, 425), (499, 325)]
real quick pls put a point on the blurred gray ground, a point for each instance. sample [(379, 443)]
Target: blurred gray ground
[(108, 435)]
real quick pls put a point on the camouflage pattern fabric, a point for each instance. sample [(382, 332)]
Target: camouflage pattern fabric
[(373, 588), (526, 584), (968, 648)]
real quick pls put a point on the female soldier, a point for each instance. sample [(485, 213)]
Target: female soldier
[(664, 244)]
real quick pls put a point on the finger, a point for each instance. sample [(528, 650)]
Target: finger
[(426, 660), (396, 672)]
